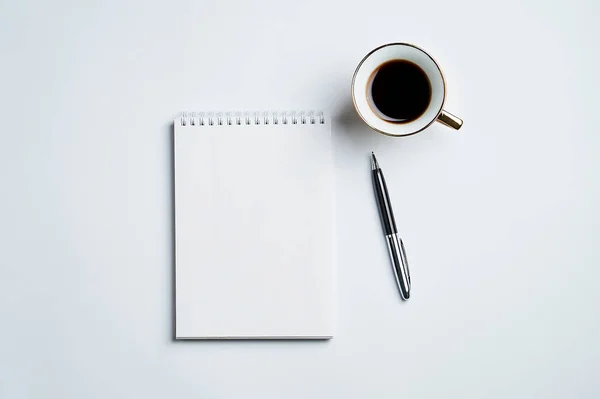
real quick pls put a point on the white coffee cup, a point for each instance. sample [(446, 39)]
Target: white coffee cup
[(361, 86)]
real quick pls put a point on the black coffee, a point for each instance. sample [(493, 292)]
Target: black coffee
[(400, 91)]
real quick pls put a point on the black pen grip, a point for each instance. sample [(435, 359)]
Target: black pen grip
[(383, 203)]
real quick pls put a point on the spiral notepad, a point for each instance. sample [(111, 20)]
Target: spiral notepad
[(253, 225)]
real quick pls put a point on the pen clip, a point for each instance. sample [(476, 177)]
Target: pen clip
[(404, 259)]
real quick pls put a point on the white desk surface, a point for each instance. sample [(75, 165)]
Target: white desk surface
[(501, 220)]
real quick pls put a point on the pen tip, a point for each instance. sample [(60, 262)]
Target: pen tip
[(374, 164)]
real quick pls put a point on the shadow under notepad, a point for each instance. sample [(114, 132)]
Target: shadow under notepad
[(171, 158)]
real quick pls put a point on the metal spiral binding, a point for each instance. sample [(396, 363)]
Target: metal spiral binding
[(252, 118)]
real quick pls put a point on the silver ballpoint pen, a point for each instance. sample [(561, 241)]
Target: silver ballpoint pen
[(395, 245)]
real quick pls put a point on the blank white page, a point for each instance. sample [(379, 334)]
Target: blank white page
[(253, 221)]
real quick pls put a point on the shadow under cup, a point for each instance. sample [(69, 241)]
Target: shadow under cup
[(421, 91)]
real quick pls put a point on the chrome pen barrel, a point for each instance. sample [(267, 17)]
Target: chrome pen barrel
[(399, 263)]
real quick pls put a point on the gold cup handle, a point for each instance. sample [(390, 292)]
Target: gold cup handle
[(446, 118)]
